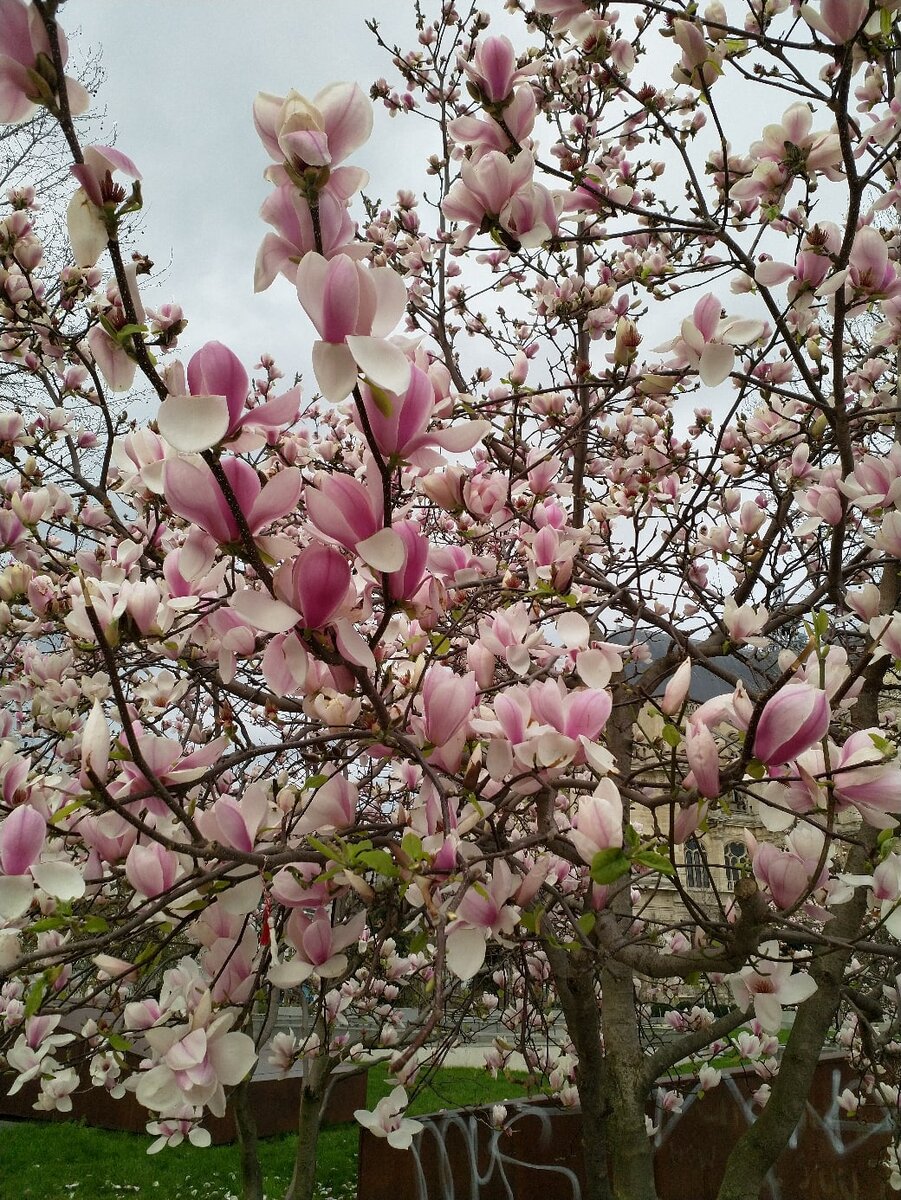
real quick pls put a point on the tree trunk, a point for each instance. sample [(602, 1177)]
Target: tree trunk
[(632, 1154), (246, 1126), (316, 1074), (757, 1151), (574, 978)]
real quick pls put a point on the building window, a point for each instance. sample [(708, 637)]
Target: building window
[(697, 872), (738, 802), (737, 863)]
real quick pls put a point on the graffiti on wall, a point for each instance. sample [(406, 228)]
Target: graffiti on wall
[(535, 1151)]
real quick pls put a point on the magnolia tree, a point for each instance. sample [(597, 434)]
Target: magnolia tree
[(386, 689)]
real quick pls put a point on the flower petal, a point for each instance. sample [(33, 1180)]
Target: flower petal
[(382, 362), (385, 550), (193, 423)]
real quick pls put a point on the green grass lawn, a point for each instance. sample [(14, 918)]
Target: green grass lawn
[(72, 1162)]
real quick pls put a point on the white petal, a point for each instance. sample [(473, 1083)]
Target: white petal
[(593, 668), (574, 630), (382, 362), (465, 952), (716, 363), (768, 1011), (232, 1057), (15, 895), (743, 332), (385, 550), (335, 370), (290, 974), (61, 880), (332, 967), (243, 898), (264, 613), (87, 233), (391, 292), (797, 988), (354, 646), (193, 423), (518, 659)]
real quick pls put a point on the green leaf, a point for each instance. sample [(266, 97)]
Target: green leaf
[(671, 735), (882, 744), (329, 852), (118, 1042), (95, 925), (587, 922), (45, 924), (820, 624), (756, 769), (633, 841), (530, 921), (379, 861), (35, 996), (316, 781), (412, 846), (609, 865), (65, 811), (654, 862)]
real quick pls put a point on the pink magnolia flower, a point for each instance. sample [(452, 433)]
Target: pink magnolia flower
[(289, 212), (23, 38), (315, 583), (484, 134), (701, 63), (96, 200), (793, 150), (770, 984), (575, 720), (706, 343), (215, 409), (598, 823), (319, 947), (447, 700), (405, 583), (788, 874), (483, 912), (197, 1061), (386, 1121), (193, 493), (22, 837), (354, 308), (321, 133), (837, 20), (151, 869), (238, 822), (745, 623), (703, 757), (791, 722), (492, 69), (863, 778), (498, 188), (351, 513), (332, 806), (677, 689), (399, 423), (167, 762)]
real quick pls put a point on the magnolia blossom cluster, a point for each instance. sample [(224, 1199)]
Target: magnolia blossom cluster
[(398, 693)]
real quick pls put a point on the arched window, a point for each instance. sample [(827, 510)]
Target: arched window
[(697, 873), (737, 863)]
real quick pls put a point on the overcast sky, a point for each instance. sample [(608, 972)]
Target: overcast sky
[(181, 76)]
